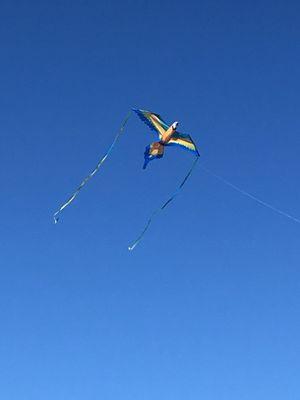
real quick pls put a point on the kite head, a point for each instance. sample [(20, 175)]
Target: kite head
[(174, 125)]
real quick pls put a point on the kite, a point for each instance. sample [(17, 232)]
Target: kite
[(167, 135)]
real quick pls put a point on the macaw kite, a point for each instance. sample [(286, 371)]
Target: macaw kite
[(167, 135)]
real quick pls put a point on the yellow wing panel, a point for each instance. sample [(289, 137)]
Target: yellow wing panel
[(188, 144)]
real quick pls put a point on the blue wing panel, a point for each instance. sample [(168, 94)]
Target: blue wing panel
[(144, 119)]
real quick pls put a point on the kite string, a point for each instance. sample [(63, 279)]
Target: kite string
[(87, 178), (251, 196), (161, 208)]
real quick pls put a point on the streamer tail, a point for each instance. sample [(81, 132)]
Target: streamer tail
[(95, 170), (165, 204)]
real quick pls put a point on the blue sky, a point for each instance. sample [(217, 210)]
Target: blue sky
[(207, 306)]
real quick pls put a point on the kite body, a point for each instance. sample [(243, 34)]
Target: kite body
[(167, 134)]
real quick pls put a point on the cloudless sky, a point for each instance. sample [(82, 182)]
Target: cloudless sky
[(207, 306)]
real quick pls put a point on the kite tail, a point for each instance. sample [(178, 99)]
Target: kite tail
[(87, 178), (251, 196), (161, 208)]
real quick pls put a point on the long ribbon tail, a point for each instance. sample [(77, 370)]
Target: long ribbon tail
[(251, 196), (95, 170), (161, 208)]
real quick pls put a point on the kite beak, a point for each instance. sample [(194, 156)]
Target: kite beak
[(174, 125)]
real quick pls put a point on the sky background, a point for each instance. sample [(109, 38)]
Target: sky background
[(207, 306)]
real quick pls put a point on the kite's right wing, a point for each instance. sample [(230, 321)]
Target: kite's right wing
[(184, 141)]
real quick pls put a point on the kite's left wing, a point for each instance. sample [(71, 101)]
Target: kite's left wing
[(154, 121), (185, 141)]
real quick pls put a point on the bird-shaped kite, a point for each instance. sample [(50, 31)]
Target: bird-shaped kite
[(167, 135)]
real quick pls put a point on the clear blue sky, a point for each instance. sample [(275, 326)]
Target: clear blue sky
[(207, 306)]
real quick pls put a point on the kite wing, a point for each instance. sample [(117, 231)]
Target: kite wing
[(185, 141), (154, 121)]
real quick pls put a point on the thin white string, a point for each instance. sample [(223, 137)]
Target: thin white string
[(251, 196)]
